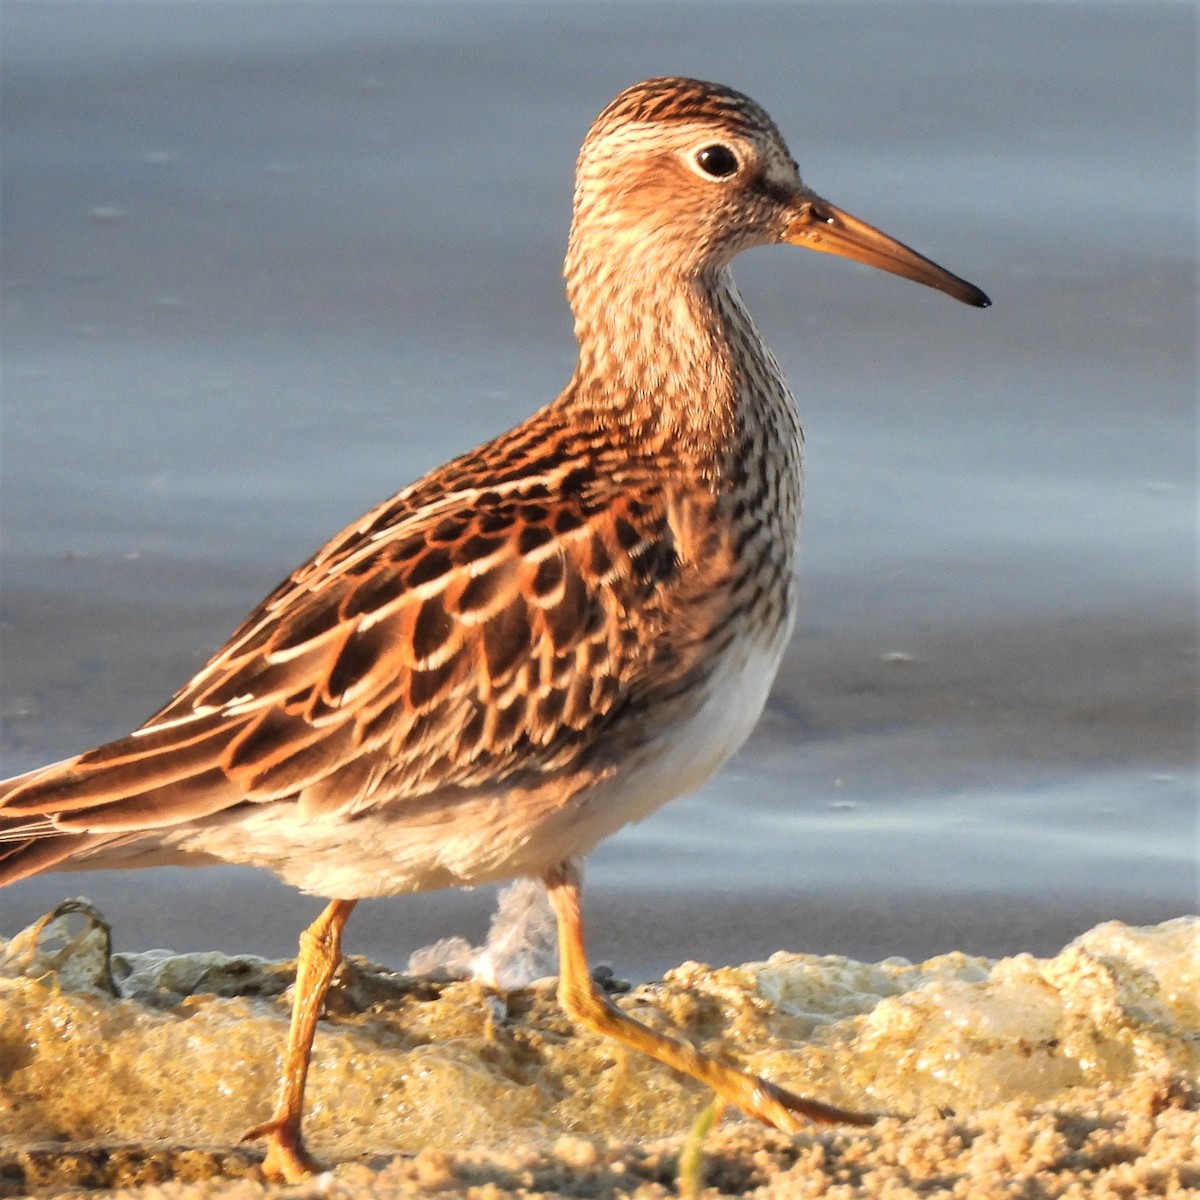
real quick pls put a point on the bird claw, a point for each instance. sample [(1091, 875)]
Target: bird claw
[(789, 1113), (286, 1161)]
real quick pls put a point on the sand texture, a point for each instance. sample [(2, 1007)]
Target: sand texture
[(1073, 1076)]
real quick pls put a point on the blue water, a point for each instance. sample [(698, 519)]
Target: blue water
[(264, 264)]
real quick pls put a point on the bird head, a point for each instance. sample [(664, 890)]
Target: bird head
[(677, 176)]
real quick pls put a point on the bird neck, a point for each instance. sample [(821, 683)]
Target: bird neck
[(670, 358)]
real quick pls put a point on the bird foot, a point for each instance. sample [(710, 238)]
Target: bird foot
[(286, 1161), (789, 1113)]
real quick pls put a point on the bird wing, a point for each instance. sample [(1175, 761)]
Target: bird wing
[(465, 631)]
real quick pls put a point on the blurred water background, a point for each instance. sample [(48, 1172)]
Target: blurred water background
[(265, 263)]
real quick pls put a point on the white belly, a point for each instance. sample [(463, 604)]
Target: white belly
[(691, 753)]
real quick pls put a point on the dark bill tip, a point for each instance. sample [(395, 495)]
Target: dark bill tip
[(821, 226)]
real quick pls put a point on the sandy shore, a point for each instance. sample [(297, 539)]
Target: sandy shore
[(1073, 1076)]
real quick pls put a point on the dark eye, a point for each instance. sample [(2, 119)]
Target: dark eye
[(718, 161)]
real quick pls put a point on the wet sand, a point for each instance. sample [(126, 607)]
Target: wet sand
[(1072, 1076)]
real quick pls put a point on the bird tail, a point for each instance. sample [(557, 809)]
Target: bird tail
[(30, 843), (122, 792)]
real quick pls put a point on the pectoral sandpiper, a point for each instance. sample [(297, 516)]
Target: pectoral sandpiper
[(536, 643)]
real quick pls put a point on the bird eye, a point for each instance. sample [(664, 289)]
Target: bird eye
[(717, 160)]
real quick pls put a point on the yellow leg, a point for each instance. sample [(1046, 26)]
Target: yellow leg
[(578, 995), (320, 953)]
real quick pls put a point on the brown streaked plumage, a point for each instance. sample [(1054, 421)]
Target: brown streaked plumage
[(536, 643)]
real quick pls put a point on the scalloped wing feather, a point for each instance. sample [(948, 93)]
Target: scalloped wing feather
[(428, 647)]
